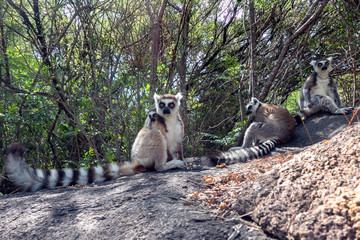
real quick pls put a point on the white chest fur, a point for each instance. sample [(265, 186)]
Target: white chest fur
[(322, 87), (174, 134)]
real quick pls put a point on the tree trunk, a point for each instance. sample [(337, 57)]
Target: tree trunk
[(253, 84), (6, 78), (155, 46), (185, 19)]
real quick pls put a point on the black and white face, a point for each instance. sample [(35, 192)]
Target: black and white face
[(252, 106), (152, 114), (167, 103), (322, 66)]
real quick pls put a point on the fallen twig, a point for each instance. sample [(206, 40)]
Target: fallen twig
[(354, 114)]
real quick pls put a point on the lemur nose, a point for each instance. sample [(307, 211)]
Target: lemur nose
[(166, 110), (324, 68)]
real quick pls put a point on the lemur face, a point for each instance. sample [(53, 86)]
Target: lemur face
[(167, 103), (154, 118), (252, 106), (152, 114), (322, 66)]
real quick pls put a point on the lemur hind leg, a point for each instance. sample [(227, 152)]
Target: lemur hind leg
[(328, 105), (259, 131)]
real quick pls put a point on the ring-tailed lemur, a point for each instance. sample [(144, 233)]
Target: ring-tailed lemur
[(272, 125), (319, 92), (167, 106), (150, 149), (156, 128)]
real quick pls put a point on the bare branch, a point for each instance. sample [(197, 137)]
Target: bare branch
[(288, 43)]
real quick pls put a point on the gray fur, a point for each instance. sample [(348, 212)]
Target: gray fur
[(272, 125), (271, 122), (319, 92)]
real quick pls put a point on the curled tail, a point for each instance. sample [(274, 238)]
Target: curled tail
[(240, 155), (29, 179)]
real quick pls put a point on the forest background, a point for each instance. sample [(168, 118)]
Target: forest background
[(77, 76)]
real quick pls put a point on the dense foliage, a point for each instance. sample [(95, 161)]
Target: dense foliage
[(76, 76)]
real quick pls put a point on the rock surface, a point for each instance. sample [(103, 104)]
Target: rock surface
[(315, 195), (145, 206), (297, 200), (317, 128)]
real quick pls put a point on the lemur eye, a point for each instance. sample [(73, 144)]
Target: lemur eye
[(327, 63), (171, 105), (250, 107), (161, 105), (319, 64)]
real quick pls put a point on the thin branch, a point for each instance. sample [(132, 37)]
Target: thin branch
[(287, 45)]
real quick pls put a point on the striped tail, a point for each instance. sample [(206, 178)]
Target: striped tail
[(29, 179), (241, 155)]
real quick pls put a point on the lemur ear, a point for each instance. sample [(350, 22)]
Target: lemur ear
[(330, 59), (156, 97), (178, 96), (147, 111), (312, 63), (254, 99)]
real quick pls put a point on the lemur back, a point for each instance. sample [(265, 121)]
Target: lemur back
[(272, 125), (319, 92), (150, 143), (282, 125), (150, 149), (270, 122)]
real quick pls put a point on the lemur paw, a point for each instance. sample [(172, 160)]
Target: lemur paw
[(176, 163), (347, 109), (343, 110)]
